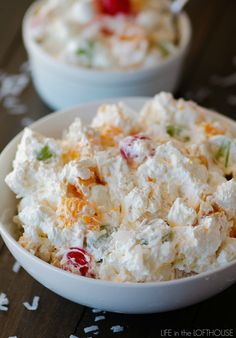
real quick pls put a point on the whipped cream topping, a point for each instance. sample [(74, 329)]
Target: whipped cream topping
[(134, 197), (77, 32)]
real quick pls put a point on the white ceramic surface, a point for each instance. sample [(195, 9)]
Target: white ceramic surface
[(62, 85), (110, 296)]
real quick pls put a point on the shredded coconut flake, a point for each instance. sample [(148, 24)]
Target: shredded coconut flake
[(13, 84), (96, 310), (34, 305), (117, 328), (14, 106), (98, 318), (3, 302), (11, 87), (26, 121), (227, 81), (90, 328), (16, 267)]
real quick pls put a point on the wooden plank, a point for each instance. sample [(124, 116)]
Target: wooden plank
[(217, 311), (205, 17), (134, 326), (11, 13), (137, 326), (180, 319), (1, 243), (216, 59), (54, 318)]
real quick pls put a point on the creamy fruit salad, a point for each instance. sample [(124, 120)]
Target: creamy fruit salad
[(134, 197), (106, 34)]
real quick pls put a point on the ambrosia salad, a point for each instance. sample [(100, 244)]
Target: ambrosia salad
[(106, 34), (132, 197)]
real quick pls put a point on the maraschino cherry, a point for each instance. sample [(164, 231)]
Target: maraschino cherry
[(114, 7), (79, 259)]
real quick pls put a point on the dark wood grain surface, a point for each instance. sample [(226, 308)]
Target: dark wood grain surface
[(209, 78)]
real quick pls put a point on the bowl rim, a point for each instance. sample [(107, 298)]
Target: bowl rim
[(31, 45), (5, 233)]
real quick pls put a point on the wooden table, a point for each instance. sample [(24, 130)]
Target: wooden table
[(210, 79)]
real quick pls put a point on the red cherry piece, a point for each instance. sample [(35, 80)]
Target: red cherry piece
[(141, 137), (84, 270), (79, 259), (124, 154), (114, 7), (106, 31), (128, 148)]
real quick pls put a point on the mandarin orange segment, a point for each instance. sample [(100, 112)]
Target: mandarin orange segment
[(107, 135), (212, 130), (203, 160), (70, 209), (151, 179), (70, 155), (87, 182), (126, 37), (138, 5), (73, 191), (92, 222), (233, 232)]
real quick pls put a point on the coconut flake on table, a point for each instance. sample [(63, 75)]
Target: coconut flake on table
[(14, 106), (91, 328), (26, 121), (16, 267), (224, 81), (34, 305), (98, 318), (13, 84), (96, 310), (4, 302), (117, 328), (72, 336), (12, 337), (11, 87)]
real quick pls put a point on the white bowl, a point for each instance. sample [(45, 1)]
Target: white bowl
[(110, 296), (62, 85)]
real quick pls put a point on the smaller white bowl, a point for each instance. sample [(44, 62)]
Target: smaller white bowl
[(62, 85), (105, 295)]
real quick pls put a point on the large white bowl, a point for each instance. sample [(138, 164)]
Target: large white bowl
[(62, 85), (126, 297)]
